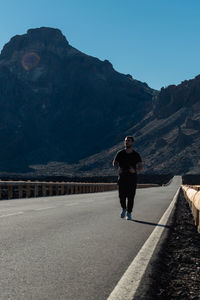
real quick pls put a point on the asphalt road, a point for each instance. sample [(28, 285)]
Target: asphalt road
[(74, 246)]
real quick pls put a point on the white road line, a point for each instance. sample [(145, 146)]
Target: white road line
[(6, 209), (13, 214), (44, 208), (87, 201), (128, 284), (72, 204)]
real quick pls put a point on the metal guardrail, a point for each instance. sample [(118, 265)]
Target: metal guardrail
[(195, 187), (192, 195), (146, 185), (28, 189)]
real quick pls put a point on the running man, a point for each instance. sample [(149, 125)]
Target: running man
[(129, 163)]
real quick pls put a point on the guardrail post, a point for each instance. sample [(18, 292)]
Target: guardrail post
[(28, 190), (20, 191), (57, 189), (93, 187), (69, 189), (80, 189), (10, 191), (44, 189), (50, 190), (66, 189), (76, 188), (62, 189), (36, 190), (83, 188)]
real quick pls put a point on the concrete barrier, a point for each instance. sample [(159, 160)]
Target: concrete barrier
[(192, 195)]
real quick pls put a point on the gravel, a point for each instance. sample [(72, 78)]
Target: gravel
[(177, 270)]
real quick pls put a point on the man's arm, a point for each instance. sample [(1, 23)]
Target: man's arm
[(116, 166)]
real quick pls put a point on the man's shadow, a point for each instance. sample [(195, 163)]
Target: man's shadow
[(150, 223)]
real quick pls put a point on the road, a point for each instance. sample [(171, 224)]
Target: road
[(74, 246)]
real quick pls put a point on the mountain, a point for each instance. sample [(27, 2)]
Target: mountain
[(59, 105), (167, 137)]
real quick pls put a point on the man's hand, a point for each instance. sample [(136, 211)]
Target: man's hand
[(120, 171), (132, 170)]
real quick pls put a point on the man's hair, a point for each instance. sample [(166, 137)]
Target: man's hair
[(130, 137)]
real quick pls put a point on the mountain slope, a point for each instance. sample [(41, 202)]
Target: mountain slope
[(167, 137)]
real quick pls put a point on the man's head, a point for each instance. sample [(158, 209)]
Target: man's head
[(128, 141)]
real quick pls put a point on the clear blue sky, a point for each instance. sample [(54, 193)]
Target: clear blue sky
[(156, 41)]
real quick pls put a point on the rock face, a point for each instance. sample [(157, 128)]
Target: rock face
[(167, 137), (173, 98), (59, 104)]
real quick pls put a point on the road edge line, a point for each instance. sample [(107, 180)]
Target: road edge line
[(129, 282)]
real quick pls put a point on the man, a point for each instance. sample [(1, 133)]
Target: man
[(129, 163)]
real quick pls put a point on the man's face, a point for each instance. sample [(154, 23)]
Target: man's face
[(128, 142)]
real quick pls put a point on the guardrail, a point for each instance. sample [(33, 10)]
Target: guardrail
[(27, 189), (192, 195), (195, 187), (146, 185)]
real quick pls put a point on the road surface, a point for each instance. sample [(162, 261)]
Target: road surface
[(73, 246)]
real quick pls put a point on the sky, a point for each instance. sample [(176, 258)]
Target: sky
[(155, 41)]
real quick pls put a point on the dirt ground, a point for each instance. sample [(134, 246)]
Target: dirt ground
[(177, 270)]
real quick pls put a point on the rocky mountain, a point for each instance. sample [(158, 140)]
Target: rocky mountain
[(59, 106), (167, 137)]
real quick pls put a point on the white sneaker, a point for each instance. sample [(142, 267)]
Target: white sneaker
[(123, 213), (129, 217)]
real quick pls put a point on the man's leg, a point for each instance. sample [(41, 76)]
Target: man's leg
[(122, 196), (131, 196), (123, 202), (123, 205), (130, 204)]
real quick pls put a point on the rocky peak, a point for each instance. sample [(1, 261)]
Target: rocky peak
[(37, 53), (46, 34), (174, 97), (38, 39)]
